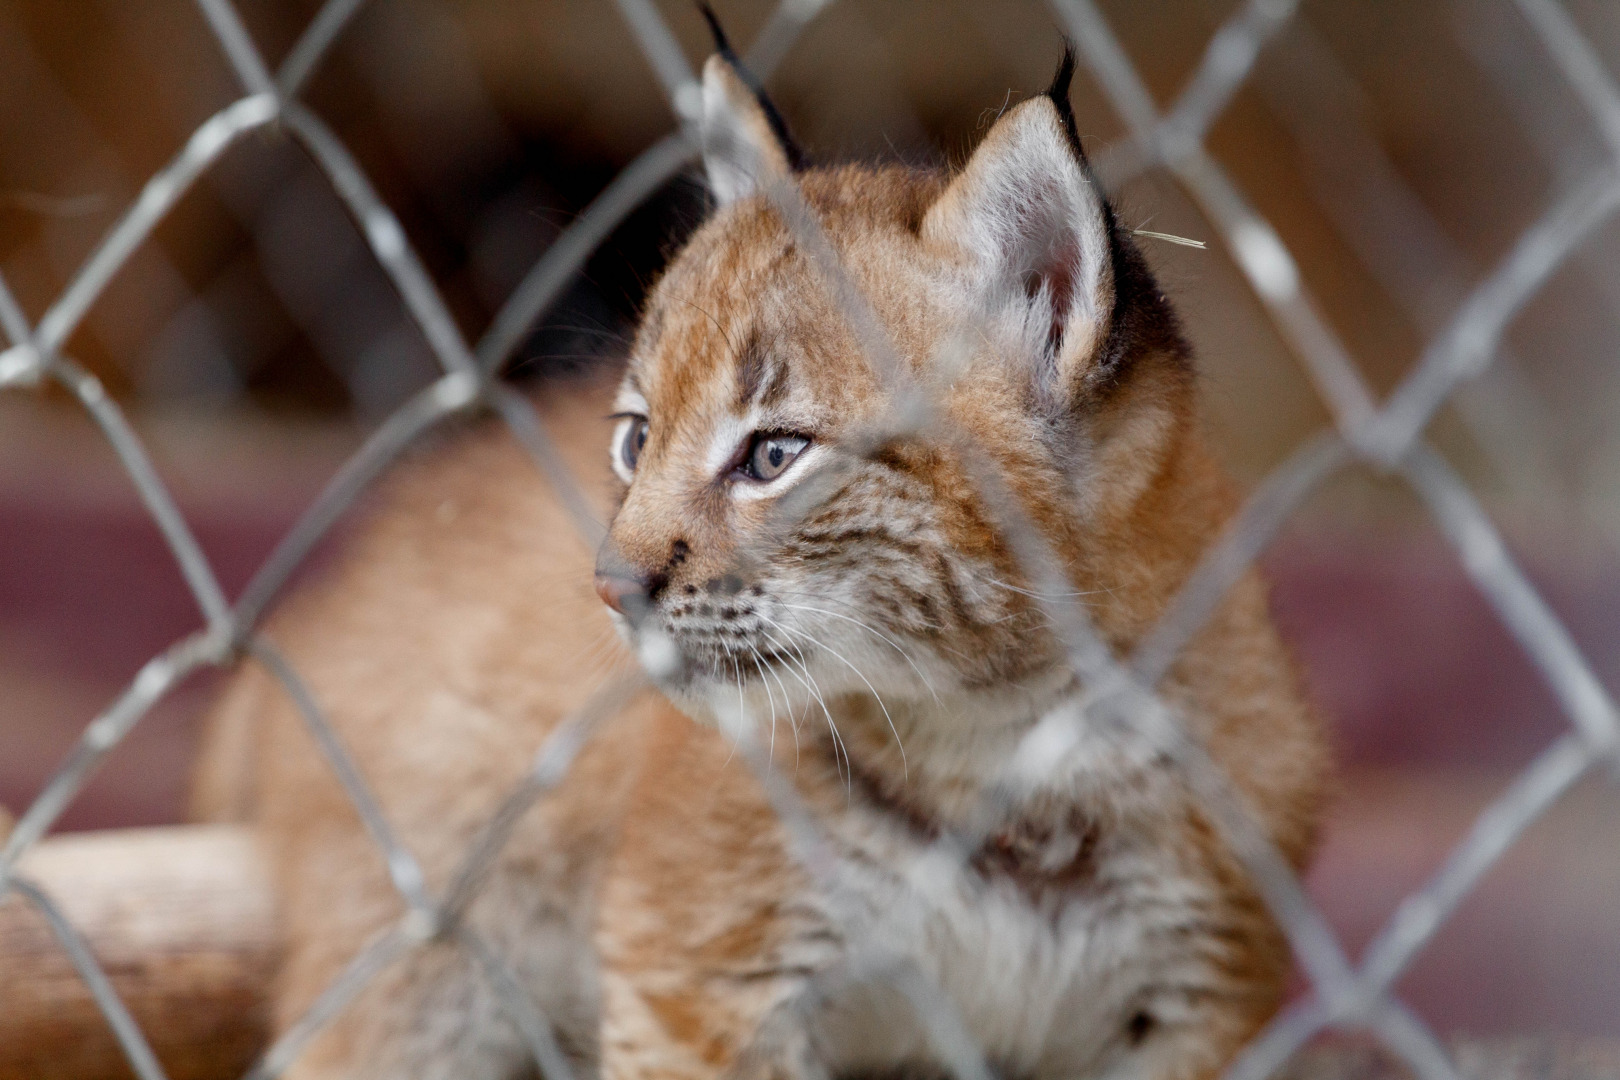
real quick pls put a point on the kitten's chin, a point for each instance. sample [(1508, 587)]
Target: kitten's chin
[(688, 688), (714, 702), (691, 684), (695, 699)]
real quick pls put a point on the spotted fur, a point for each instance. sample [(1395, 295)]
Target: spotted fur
[(875, 630)]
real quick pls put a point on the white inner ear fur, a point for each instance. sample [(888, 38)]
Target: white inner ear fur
[(740, 150), (1030, 223)]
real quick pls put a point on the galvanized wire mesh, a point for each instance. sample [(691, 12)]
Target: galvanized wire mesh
[(1386, 436)]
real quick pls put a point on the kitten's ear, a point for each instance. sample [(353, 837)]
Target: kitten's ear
[(1032, 223), (745, 141)]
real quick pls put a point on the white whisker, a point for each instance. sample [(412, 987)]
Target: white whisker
[(840, 657), (743, 719), (1066, 593), (770, 697), (871, 630), (810, 686), (832, 725)]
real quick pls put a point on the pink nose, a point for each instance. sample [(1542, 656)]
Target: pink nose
[(613, 590)]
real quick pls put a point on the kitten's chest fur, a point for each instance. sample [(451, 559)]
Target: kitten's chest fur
[(1040, 928)]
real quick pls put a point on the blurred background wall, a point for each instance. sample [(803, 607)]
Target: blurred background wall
[(1400, 150)]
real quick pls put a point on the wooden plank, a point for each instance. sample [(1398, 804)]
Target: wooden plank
[(182, 920)]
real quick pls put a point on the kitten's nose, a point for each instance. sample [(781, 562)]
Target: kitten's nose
[(628, 595), (615, 590)]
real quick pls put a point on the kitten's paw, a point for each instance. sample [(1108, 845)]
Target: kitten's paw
[(782, 1049)]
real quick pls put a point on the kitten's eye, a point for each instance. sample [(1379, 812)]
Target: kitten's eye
[(770, 455), (631, 442)]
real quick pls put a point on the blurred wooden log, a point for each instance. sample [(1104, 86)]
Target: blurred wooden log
[(182, 921)]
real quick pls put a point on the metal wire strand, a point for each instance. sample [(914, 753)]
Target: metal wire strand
[(128, 1033), (446, 397), (380, 953), (403, 868), (182, 543), (525, 1015), (104, 733)]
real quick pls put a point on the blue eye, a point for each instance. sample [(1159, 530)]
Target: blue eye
[(635, 437), (770, 455)]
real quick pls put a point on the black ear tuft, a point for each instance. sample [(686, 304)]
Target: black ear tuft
[(779, 128), (1059, 93), (722, 44)]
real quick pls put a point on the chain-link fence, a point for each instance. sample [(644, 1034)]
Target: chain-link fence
[(1387, 436)]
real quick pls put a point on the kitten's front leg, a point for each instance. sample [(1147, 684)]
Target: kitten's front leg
[(436, 1016), (847, 1020), (669, 1025), (782, 1049), (435, 1013)]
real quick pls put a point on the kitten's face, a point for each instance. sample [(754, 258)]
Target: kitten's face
[(776, 528), (781, 565), (786, 569)]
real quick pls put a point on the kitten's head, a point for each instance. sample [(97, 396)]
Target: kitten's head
[(776, 527)]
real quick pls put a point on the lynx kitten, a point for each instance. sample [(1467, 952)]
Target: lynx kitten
[(883, 640)]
